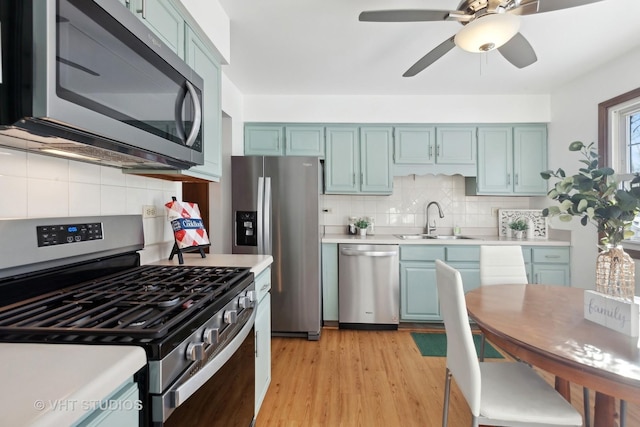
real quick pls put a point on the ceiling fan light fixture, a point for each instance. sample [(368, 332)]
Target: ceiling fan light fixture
[(487, 32)]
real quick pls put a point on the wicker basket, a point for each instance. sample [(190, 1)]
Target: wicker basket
[(615, 273)]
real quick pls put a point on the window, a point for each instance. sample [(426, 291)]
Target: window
[(619, 133), (619, 139)]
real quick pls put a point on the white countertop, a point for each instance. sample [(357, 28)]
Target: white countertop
[(57, 384), (390, 239), (256, 263)]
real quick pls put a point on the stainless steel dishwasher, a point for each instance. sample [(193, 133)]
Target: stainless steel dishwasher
[(368, 286)]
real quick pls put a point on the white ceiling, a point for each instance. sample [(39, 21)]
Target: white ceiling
[(318, 47)]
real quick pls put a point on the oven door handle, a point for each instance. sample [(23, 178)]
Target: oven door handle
[(186, 389)]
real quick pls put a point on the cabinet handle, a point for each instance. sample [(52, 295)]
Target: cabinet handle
[(552, 256), (516, 179), (361, 178), (508, 179), (430, 151), (143, 10), (535, 277), (256, 344), (437, 150)]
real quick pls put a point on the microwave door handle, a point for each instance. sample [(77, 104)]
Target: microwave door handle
[(197, 118), (178, 113)]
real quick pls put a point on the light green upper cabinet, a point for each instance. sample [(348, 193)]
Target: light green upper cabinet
[(456, 145), (358, 160), (164, 19), (283, 140), (376, 151), (184, 37), (198, 57), (436, 149), (510, 159), (529, 159), (304, 141), (495, 160), (264, 140), (414, 145), (342, 160)]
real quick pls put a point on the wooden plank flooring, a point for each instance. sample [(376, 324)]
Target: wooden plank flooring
[(365, 378)]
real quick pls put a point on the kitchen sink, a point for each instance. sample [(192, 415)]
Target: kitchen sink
[(431, 236)]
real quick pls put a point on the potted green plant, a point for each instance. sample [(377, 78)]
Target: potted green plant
[(519, 226), (362, 225), (594, 195)]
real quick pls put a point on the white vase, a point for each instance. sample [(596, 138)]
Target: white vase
[(363, 232), (518, 234)]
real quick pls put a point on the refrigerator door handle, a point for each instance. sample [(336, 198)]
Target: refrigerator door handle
[(267, 217), (260, 222)]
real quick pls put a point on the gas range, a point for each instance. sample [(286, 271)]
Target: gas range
[(81, 282)]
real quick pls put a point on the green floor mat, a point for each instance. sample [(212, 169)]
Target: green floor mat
[(435, 344)]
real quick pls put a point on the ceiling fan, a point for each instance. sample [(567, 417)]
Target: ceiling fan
[(488, 25)]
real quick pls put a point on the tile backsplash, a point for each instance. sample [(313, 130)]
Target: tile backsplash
[(406, 206), (35, 185)]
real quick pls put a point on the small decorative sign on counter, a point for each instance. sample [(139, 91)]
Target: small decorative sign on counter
[(613, 313)]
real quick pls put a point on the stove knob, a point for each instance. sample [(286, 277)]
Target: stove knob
[(210, 336), (252, 295), (195, 351), (230, 316), (245, 302)]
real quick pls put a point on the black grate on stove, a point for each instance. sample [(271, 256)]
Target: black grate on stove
[(144, 302)]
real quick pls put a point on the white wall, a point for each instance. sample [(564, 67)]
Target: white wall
[(398, 109), (34, 185), (574, 116)]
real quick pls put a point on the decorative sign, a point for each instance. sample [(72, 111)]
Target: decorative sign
[(538, 228), (611, 312)]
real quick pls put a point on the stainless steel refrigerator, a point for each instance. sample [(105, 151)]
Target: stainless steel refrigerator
[(275, 202)]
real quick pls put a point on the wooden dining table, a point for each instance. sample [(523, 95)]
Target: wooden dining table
[(544, 326)]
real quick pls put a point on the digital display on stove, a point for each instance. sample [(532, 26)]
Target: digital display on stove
[(50, 235)]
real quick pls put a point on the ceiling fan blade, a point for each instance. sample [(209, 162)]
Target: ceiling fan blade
[(518, 51), (431, 57), (405, 15), (529, 7)]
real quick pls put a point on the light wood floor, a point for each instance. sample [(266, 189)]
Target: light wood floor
[(366, 378)]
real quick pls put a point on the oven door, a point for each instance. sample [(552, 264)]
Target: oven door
[(222, 392)]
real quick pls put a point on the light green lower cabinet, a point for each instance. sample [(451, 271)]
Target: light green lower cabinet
[(121, 409), (262, 332), (418, 291), (550, 266), (330, 282)]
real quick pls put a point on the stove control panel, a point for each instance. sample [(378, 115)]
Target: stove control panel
[(49, 235)]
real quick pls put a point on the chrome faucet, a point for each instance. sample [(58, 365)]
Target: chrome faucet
[(429, 227)]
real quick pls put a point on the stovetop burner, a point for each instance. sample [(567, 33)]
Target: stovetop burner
[(143, 303)]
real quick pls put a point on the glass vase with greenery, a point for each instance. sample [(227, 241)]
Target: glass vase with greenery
[(594, 195)]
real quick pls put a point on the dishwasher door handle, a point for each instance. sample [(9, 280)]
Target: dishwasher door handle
[(354, 252)]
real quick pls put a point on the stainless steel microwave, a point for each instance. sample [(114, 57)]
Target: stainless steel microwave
[(87, 79)]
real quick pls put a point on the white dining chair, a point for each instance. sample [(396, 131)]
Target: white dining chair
[(501, 265), (498, 393)]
